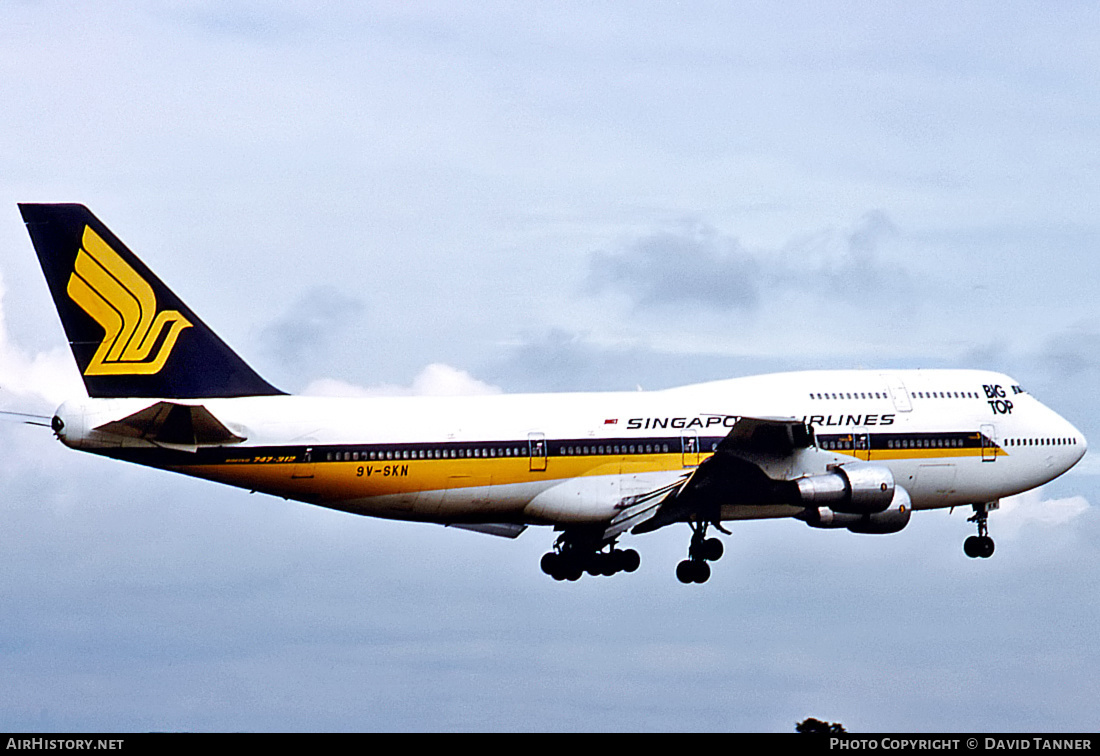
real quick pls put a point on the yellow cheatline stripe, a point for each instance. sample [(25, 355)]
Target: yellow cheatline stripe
[(343, 479), (935, 453)]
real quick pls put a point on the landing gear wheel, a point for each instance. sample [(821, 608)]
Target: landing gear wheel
[(550, 564), (684, 572), (712, 549), (702, 572), (985, 548)]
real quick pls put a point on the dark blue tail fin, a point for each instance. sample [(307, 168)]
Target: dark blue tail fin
[(130, 335)]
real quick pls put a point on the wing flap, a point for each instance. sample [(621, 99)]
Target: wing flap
[(635, 510)]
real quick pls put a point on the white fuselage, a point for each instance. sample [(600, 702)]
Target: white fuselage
[(949, 437)]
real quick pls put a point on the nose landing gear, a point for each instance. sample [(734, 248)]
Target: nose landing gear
[(979, 546)]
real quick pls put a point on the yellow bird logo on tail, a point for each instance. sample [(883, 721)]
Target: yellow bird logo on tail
[(117, 298)]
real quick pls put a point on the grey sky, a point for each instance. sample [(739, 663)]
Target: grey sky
[(488, 196)]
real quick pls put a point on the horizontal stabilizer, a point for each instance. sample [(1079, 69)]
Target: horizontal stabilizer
[(177, 425)]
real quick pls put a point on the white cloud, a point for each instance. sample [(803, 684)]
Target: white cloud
[(34, 382), (1033, 508)]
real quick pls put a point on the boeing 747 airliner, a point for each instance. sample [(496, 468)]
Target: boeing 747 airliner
[(855, 449)]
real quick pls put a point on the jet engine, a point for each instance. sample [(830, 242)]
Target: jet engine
[(890, 520), (849, 489)]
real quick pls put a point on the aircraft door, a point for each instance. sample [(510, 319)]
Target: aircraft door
[(989, 443), (303, 466), (899, 394), (861, 442), (689, 445), (536, 446)]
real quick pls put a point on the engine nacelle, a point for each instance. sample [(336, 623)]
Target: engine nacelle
[(823, 517), (849, 489), (890, 520)]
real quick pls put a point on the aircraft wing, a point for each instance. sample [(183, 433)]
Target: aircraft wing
[(732, 474)]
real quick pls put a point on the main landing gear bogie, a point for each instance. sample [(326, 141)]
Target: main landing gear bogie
[(582, 550), (702, 550), (570, 563)]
